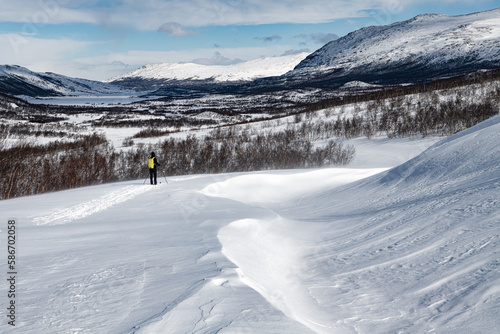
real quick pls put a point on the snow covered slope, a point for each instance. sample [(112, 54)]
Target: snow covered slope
[(414, 249), (245, 71), (338, 250), (422, 48), (17, 80)]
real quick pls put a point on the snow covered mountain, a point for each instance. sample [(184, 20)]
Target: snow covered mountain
[(167, 73), (17, 80), (420, 49)]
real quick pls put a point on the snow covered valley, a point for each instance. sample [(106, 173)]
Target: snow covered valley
[(366, 249)]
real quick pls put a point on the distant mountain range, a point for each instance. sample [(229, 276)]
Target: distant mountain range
[(421, 49), (157, 75), (17, 80)]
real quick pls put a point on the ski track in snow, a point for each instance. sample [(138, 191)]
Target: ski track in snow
[(79, 211)]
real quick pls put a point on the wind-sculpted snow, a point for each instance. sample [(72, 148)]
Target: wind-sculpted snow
[(412, 249), (271, 190)]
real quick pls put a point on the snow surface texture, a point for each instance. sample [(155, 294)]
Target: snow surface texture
[(426, 40), (412, 249), (245, 71)]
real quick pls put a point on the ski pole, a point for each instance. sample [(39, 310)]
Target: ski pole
[(164, 176)]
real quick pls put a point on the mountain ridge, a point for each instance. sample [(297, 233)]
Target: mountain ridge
[(244, 71), (201, 76), (17, 80), (428, 46), (422, 49)]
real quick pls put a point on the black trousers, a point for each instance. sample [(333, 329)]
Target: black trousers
[(153, 175)]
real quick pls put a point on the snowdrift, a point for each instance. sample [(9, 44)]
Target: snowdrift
[(411, 249), (414, 249)]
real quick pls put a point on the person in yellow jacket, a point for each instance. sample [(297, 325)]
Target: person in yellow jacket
[(152, 163)]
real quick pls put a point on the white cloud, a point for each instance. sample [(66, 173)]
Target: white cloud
[(52, 56), (151, 14), (269, 39), (318, 38), (78, 69), (139, 57), (21, 49), (56, 55), (294, 52), (196, 13), (40, 12), (217, 59), (174, 29)]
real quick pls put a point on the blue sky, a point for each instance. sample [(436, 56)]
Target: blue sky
[(98, 39)]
